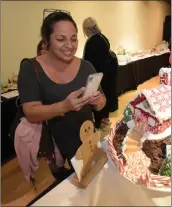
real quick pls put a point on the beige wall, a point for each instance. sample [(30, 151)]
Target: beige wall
[(133, 24)]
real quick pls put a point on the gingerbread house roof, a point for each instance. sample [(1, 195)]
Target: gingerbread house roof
[(164, 70), (159, 99)]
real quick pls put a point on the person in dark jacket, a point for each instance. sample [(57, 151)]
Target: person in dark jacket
[(97, 51), (169, 44)]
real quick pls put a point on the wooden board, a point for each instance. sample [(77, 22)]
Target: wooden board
[(89, 153), (91, 174)]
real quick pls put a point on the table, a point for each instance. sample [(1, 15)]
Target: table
[(8, 111), (149, 67), (108, 188), (126, 79), (139, 71)]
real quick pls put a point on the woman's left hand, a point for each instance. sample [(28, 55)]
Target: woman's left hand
[(98, 100)]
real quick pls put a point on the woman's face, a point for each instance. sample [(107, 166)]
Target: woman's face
[(63, 41)]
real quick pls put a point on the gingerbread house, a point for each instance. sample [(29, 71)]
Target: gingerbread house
[(120, 50), (152, 107), (165, 76)]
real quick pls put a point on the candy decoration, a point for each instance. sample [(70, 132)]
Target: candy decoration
[(165, 76), (164, 79), (128, 113), (166, 168), (141, 174)]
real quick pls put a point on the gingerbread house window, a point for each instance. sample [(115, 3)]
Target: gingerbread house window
[(137, 112), (145, 104), (151, 122)]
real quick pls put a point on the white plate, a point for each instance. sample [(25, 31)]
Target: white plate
[(165, 190)]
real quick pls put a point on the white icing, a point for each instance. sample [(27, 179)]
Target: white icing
[(137, 112), (150, 136), (168, 150), (160, 115), (142, 106), (124, 142), (137, 166), (130, 124), (151, 121), (164, 70)]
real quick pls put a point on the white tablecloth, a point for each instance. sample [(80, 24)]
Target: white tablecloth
[(124, 59), (108, 188)]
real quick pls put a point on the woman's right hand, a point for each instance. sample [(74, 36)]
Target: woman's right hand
[(74, 103)]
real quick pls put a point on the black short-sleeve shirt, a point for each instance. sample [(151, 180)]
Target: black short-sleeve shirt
[(65, 130)]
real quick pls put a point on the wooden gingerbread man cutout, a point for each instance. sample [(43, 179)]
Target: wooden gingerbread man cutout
[(89, 151)]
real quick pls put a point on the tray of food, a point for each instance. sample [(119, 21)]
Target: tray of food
[(139, 146)]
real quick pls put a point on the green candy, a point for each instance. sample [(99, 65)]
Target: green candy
[(128, 114), (165, 170)]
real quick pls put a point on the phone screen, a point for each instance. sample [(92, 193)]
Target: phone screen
[(93, 83)]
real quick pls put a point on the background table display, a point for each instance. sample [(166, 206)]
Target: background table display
[(149, 67), (126, 79), (139, 71)]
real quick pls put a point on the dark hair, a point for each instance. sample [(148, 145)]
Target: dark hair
[(50, 20), (39, 47)]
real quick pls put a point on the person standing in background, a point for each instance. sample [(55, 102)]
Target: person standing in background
[(41, 48), (97, 51)]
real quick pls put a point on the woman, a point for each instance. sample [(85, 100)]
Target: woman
[(97, 51), (41, 48), (63, 77)]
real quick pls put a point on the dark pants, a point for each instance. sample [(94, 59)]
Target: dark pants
[(99, 115), (61, 173)]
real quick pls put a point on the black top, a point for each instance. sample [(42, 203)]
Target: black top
[(97, 52), (65, 129)]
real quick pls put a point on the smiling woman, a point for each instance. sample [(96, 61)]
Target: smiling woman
[(57, 98), (54, 33)]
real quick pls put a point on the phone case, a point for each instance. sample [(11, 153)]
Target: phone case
[(93, 83)]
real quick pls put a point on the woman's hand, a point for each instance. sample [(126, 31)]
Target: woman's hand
[(98, 100), (73, 103)]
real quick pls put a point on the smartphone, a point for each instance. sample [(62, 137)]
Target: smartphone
[(93, 83)]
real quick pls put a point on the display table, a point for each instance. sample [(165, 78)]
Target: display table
[(108, 188), (8, 111), (139, 71), (126, 79)]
